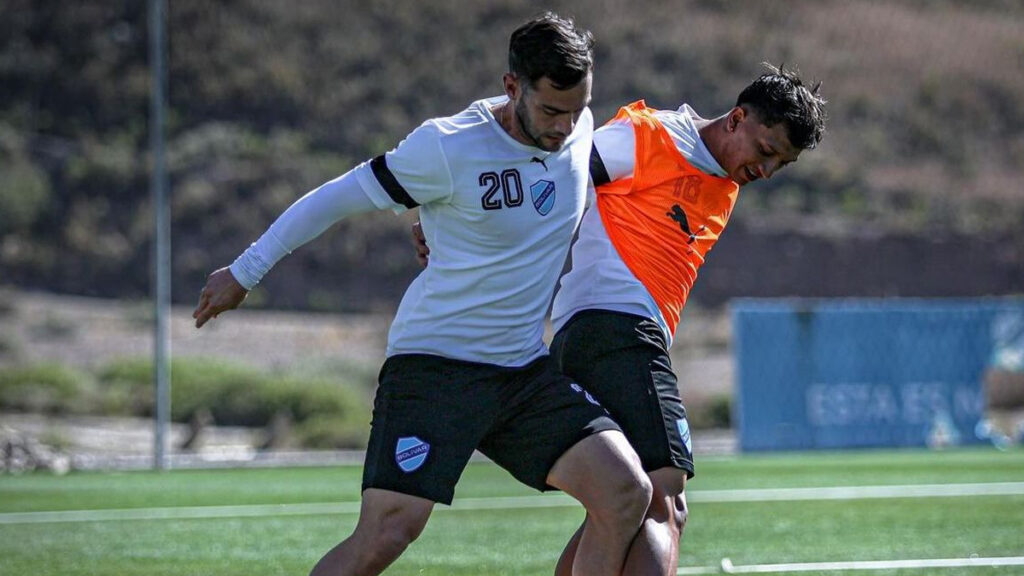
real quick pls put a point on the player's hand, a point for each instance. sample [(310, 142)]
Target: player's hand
[(222, 292), (420, 242)]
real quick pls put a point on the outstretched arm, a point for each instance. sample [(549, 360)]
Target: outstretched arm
[(414, 173), (304, 220)]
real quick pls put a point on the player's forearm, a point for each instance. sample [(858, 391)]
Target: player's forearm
[(303, 221)]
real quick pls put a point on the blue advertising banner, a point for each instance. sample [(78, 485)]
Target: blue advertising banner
[(865, 373)]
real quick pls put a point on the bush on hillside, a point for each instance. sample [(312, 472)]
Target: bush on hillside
[(267, 101), (716, 412), (326, 412), (327, 432), (234, 395), (46, 389)]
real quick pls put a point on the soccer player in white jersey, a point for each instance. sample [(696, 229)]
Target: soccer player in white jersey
[(664, 185), (501, 187)]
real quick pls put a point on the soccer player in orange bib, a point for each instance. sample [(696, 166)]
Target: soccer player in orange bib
[(664, 183)]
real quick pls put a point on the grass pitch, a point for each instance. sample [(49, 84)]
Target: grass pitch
[(279, 521)]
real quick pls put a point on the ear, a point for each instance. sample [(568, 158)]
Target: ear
[(735, 117), (512, 88)]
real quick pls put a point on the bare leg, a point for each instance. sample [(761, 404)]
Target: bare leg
[(603, 472), (388, 523), (564, 566), (656, 548)]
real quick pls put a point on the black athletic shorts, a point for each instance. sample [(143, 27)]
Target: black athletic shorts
[(430, 413), (623, 360)]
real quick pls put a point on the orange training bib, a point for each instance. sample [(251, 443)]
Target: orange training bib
[(665, 219)]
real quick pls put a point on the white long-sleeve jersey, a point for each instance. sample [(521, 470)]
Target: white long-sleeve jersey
[(498, 216)]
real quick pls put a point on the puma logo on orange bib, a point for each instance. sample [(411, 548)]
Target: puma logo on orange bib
[(678, 215)]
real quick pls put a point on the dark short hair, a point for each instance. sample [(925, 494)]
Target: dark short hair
[(551, 46), (779, 95)]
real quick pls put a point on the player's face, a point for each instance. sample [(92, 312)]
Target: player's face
[(752, 150), (546, 116)]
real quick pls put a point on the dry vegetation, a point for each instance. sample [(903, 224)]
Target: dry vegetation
[(268, 99), (88, 334)]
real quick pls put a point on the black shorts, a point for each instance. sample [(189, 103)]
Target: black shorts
[(430, 413), (623, 360)]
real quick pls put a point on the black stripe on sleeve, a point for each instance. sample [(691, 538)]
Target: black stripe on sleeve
[(598, 173), (390, 183)]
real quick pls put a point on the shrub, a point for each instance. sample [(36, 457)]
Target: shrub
[(712, 412), (10, 346), (234, 395), (308, 398), (239, 396), (125, 388), (45, 388), (329, 432), (53, 327), (195, 384), (7, 302), (720, 412), (25, 194)]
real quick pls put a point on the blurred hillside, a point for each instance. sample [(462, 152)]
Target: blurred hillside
[(916, 189)]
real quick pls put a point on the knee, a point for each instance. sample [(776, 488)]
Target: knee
[(642, 493), (680, 512), (389, 536), (669, 503), (395, 536), (630, 501), (604, 474), (668, 514)]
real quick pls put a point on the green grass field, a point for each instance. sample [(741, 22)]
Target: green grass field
[(754, 510)]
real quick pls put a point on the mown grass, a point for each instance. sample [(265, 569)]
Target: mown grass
[(516, 540)]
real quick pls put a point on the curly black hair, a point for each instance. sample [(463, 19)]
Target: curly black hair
[(779, 95)]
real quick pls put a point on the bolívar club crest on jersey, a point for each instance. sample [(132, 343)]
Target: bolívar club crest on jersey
[(411, 453), (543, 194)]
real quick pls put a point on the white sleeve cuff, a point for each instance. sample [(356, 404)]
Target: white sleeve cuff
[(253, 264), (304, 220)]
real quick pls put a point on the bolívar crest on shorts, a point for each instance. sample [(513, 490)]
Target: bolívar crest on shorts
[(411, 453)]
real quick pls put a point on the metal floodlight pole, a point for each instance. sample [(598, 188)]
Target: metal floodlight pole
[(161, 230)]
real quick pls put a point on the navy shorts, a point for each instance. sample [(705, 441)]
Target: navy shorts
[(623, 360), (431, 413)]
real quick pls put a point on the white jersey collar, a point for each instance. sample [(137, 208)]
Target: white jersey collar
[(702, 157)]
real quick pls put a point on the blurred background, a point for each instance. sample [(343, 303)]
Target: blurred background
[(915, 192)]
